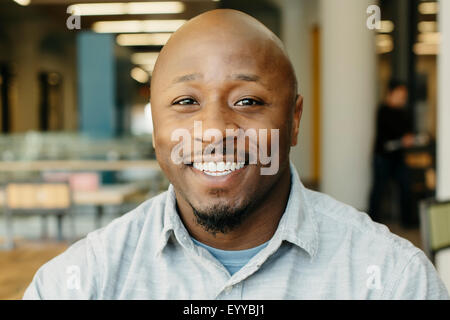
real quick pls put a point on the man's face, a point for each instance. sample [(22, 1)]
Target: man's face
[(231, 84), (399, 97)]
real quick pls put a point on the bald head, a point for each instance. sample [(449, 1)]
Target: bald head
[(228, 29)]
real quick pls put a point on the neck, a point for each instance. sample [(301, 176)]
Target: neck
[(258, 228)]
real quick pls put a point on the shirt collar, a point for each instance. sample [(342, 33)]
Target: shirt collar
[(171, 218), (297, 225)]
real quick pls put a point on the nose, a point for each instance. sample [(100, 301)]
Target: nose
[(216, 117), (210, 129)]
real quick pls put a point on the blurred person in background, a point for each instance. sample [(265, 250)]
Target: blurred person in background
[(394, 134)]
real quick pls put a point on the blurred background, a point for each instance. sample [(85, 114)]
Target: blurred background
[(75, 120)]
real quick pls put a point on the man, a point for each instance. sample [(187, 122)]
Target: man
[(225, 230), (394, 133)]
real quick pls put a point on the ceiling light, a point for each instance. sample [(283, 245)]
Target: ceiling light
[(384, 43), (428, 8), (134, 26), (166, 7), (143, 39), (427, 26), (148, 67), (387, 26), (121, 8), (22, 2), (426, 48), (145, 58), (139, 75), (429, 37)]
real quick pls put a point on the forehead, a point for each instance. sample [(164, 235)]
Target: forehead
[(218, 57)]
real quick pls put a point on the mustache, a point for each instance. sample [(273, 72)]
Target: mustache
[(218, 151)]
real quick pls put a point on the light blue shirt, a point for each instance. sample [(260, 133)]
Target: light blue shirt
[(322, 249), (232, 260)]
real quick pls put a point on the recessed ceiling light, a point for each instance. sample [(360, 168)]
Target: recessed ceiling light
[(384, 43), (121, 8), (143, 39), (144, 58), (22, 2), (139, 75), (428, 8), (427, 26), (387, 26), (135, 26), (426, 48), (429, 37)]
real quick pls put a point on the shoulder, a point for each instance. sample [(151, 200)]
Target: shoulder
[(147, 217), (332, 214), (116, 244), (100, 254), (353, 238)]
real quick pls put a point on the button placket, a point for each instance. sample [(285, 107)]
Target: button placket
[(228, 289)]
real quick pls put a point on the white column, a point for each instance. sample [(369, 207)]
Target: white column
[(297, 19), (443, 108), (348, 100)]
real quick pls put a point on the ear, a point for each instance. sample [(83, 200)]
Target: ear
[(296, 121)]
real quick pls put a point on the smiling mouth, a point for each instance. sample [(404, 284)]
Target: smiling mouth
[(218, 168)]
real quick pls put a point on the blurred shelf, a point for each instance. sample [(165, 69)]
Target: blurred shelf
[(96, 165), (104, 195)]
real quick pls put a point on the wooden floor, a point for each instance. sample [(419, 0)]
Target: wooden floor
[(19, 265)]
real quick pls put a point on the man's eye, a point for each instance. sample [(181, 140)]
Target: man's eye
[(249, 102), (186, 101)]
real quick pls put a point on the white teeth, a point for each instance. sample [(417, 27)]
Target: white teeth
[(218, 168), (221, 166), (224, 173)]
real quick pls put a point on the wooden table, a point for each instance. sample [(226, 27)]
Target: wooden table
[(103, 196)]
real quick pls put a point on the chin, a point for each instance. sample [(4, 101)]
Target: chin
[(207, 203)]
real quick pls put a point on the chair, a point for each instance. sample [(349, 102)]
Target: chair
[(42, 199), (435, 231)]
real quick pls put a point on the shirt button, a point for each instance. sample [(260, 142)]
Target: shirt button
[(228, 289)]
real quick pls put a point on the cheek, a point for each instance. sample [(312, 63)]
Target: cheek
[(163, 130), (279, 143), (164, 146)]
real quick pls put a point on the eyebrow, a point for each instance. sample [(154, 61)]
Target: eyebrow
[(187, 77), (246, 77), (238, 76)]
